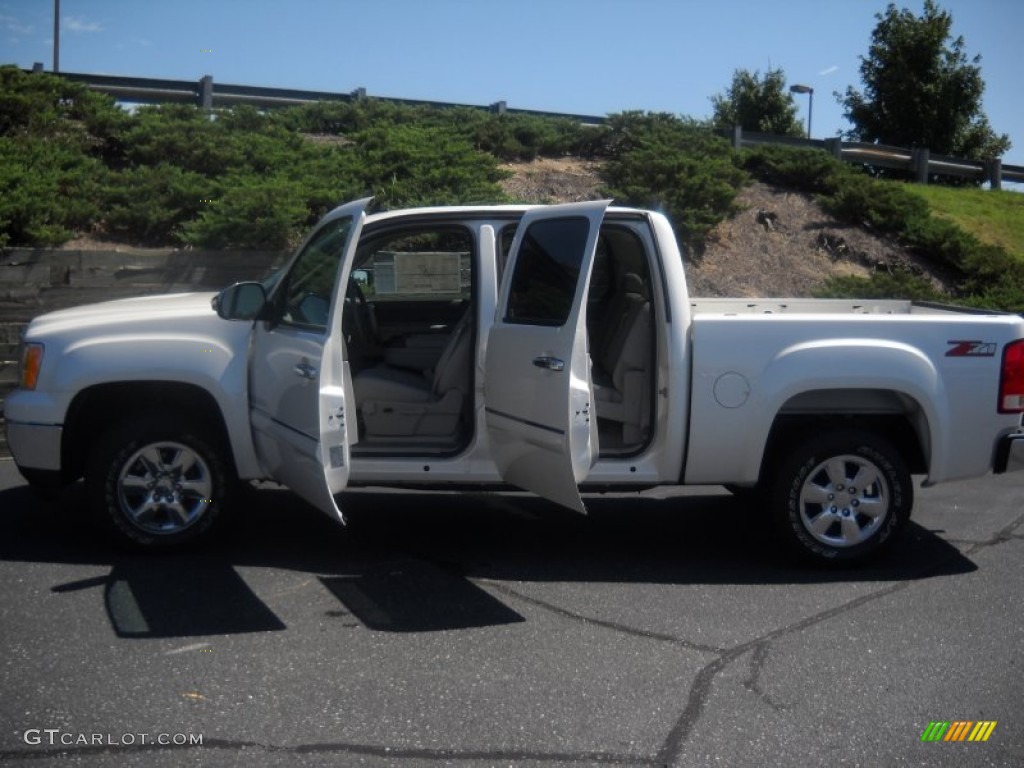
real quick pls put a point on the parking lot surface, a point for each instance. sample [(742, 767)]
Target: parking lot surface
[(494, 629)]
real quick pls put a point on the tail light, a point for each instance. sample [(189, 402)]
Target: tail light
[(1011, 379)]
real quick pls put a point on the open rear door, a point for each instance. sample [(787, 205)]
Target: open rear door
[(302, 409), (538, 392)]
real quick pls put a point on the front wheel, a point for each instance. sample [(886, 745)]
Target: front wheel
[(158, 483), (842, 497)]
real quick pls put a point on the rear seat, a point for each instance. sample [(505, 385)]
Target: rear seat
[(621, 354)]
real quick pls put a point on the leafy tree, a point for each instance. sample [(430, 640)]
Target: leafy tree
[(757, 103), (920, 89)]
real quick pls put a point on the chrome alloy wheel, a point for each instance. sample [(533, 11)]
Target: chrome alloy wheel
[(844, 501), (164, 488)]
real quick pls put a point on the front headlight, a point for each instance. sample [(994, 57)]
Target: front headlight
[(29, 365)]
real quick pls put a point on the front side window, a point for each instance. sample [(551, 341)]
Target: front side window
[(309, 286), (547, 272)]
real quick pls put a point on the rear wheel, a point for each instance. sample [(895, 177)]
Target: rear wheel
[(842, 497), (158, 483)]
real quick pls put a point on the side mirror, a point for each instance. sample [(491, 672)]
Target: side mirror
[(241, 301)]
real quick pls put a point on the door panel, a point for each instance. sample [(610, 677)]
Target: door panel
[(399, 318), (538, 391), (299, 381)]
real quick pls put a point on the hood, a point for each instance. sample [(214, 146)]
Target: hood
[(170, 311)]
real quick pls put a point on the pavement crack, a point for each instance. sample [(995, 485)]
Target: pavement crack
[(611, 625), (700, 691), (1003, 535), (753, 682)]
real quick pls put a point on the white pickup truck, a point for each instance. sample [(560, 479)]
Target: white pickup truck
[(547, 347)]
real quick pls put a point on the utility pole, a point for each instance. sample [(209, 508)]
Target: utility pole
[(56, 36)]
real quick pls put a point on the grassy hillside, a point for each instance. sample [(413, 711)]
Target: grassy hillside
[(73, 162), (979, 272), (996, 218)]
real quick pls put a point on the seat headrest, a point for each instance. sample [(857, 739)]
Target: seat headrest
[(633, 283)]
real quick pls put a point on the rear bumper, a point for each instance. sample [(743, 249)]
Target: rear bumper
[(1009, 454)]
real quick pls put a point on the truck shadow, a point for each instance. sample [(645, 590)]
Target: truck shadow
[(413, 563)]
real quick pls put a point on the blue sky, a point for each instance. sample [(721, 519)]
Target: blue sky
[(581, 56)]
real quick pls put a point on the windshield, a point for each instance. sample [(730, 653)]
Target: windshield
[(271, 280)]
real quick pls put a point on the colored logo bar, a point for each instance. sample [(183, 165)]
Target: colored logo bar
[(958, 730)]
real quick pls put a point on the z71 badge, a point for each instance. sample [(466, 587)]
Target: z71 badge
[(971, 349)]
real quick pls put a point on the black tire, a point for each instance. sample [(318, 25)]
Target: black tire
[(821, 514), (171, 474)]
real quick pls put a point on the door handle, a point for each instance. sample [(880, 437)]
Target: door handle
[(305, 370), (551, 363)]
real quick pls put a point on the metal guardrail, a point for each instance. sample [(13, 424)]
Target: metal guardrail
[(205, 93), (917, 161)]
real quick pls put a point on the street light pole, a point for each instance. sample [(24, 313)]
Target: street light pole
[(810, 102), (56, 36)]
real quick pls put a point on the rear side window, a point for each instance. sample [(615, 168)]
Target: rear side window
[(547, 272)]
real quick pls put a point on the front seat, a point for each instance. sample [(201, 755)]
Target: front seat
[(394, 402)]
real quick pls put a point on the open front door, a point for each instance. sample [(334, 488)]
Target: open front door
[(541, 420), (300, 388)]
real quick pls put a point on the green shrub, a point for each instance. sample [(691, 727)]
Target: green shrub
[(257, 214), (47, 191), (39, 105), (525, 137), (943, 243), (507, 136), (406, 165), (885, 207), (993, 278), (184, 136), (662, 162), (882, 285), (149, 204), (806, 170)]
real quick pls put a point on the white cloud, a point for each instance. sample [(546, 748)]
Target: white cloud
[(829, 70), (12, 24), (76, 24)]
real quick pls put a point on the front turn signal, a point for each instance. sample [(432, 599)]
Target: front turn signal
[(31, 362)]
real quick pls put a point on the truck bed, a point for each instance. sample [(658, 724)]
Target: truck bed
[(736, 306)]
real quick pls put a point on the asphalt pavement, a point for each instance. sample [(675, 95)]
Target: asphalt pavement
[(495, 629)]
